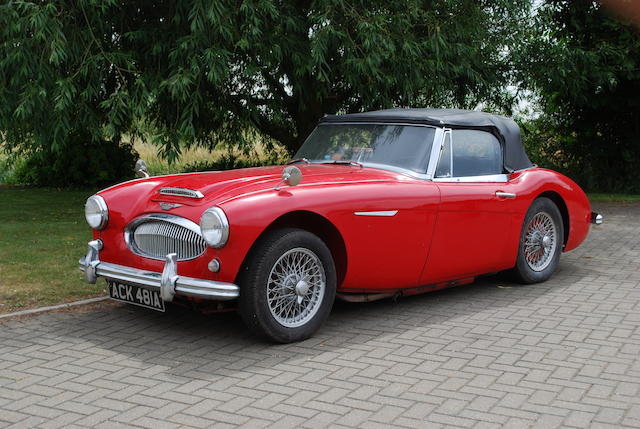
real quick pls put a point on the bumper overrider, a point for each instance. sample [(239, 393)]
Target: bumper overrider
[(168, 283)]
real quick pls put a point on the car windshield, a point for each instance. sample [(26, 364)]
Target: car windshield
[(403, 146)]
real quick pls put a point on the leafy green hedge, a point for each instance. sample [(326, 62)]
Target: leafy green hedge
[(231, 161), (83, 164), (597, 165)]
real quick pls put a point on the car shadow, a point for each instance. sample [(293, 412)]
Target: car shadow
[(183, 343)]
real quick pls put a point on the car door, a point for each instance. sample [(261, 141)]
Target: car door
[(475, 213)]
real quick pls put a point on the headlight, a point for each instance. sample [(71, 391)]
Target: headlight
[(96, 212), (214, 227)]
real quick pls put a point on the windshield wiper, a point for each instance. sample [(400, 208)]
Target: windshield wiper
[(356, 163), (293, 161)]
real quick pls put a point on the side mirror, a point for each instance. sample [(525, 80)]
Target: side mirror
[(141, 169), (291, 175)]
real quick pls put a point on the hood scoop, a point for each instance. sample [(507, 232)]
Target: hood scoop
[(181, 192)]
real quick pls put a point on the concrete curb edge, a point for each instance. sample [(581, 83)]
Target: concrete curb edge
[(53, 307)]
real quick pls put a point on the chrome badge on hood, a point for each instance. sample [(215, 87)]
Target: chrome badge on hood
[(169, 206)]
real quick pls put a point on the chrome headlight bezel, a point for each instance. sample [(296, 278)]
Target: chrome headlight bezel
[(214, 227), (96, 212)]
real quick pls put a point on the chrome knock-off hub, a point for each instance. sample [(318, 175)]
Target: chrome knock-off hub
[(301, 289)]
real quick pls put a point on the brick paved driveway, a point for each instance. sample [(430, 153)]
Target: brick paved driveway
[(563, 353)]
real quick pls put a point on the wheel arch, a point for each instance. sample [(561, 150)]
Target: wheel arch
[(562, 207), (315, 224)]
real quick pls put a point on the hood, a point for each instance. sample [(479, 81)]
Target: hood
[(219, 186), (218, 183)]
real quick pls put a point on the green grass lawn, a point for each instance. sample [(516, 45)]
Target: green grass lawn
[(613, 198), (42, 235)]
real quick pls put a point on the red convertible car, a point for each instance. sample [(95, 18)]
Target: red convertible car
[(374, 205)]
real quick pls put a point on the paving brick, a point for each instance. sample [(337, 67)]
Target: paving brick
[(579, 419), (152, 423), (191, 421), (9, 416), (609, 416), (29, 422)]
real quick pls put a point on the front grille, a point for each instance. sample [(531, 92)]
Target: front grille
[(156, 236)]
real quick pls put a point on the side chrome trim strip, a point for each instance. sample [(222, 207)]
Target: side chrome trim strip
[(385, 213), (181, 192)]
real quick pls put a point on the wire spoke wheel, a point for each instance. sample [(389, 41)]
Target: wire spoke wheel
[(288, 285), (295, 287), (540, 241)]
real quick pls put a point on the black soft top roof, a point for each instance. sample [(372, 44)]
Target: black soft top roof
[(504, 128)]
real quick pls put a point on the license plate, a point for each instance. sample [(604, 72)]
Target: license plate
[(135, 295)]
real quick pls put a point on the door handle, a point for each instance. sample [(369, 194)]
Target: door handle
[(501, 194)]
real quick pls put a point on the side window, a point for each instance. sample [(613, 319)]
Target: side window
[(444, 162), (475, 153)]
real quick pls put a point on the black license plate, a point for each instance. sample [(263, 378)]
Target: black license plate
[(136, 295)]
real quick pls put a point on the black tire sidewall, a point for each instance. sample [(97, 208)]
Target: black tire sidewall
[(523, 272), (253, 305)]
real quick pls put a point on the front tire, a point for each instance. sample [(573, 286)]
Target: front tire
[(287, 285), (541, 240)]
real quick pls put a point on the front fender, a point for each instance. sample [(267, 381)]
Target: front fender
[(382, 252)]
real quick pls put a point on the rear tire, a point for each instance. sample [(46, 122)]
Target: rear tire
[(287, 286), (541, 240)]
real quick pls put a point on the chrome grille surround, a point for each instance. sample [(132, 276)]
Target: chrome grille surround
[(181, 192), (156, 235)]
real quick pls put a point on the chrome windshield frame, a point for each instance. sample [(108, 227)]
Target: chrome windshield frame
[(431, 166)]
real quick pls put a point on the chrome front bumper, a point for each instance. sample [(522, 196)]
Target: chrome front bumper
[(168, 282)]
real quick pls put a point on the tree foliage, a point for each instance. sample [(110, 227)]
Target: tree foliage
[(203, 72), (585, 66)]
